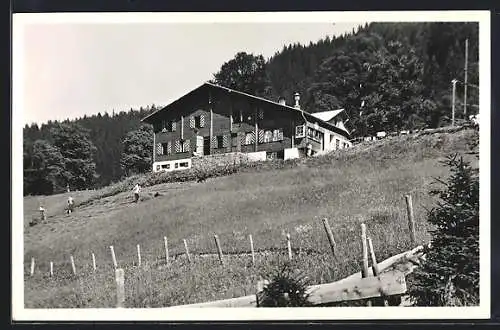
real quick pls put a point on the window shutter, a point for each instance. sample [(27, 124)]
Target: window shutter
[(202, 120), (225, 140), (191, 122), (169, 148), (214, 141), (174, 126), (261, 135), (250, 138), (187, 145), (177, 146), (159, 149), (261, 114)]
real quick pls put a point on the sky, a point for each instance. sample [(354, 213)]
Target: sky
[(71, 70)]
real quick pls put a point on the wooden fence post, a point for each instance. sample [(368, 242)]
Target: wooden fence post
[(120, 288), (51, 269), (219, 249), (411, 220), (166, 248), (187, 251), (139, 255), (329, 234), (73, 264), (365, 251), (32, 268), (251, 249), (113, 256), (93, 262), (376, 271), (364, 270), (289, 245)]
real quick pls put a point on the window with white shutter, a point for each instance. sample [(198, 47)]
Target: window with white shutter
[(261, 136), (214, 142), (225, 140), (249, 138), (202, 120), (186, 146), (169, 147), (191, 122), (159, 149)]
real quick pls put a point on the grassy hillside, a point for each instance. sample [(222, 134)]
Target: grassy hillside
[(363, 184)]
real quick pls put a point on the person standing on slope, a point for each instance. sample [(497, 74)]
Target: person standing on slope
[(71, 205), (136, 189)]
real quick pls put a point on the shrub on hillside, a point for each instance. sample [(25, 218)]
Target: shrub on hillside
[(285, 289), (450, 274)]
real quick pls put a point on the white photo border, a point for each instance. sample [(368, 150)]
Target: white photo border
[(19, 313)]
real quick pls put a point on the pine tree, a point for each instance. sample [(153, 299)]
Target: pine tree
[(450, 273)]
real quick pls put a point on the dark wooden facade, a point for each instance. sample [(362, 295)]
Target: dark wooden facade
[(213, 120)]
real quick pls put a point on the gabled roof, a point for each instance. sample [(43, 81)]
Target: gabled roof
[(327, 115), (207, 85)]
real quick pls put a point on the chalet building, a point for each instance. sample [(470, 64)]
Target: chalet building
[(212, 120)]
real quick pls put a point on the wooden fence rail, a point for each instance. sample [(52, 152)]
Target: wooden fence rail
[(353, 287)]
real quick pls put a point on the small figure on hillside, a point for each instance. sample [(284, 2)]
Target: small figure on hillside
[(71, 205), (43, 217), (67, 188), (136, 189)]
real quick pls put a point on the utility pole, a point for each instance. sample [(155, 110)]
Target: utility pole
[(454, 82), (465, 78)]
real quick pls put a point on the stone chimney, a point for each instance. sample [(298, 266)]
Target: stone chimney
[(282, 100), (297, 99)]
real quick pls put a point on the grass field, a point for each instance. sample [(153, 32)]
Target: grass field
[(363, 184)]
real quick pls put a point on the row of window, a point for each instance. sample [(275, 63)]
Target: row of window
[(171, 126), (178, 147), (246, 116), (314, 134), (199, 121), (220, 141), (265, 136), (176, 165)]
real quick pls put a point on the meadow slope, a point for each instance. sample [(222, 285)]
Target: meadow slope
[(364, 184)]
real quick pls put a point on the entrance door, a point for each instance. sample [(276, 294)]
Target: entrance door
[(199, 145), (206, 145)]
